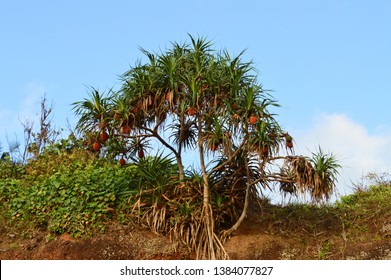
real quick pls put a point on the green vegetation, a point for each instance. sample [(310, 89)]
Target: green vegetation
[(72, 191), (359, 220), (188, 98), (64, 191), (357, 211)]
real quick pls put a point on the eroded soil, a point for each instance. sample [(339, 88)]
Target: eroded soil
[(254, 240)]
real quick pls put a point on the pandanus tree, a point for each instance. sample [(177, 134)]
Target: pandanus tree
[(192, 98)]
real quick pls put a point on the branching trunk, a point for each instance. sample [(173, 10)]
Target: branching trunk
[(178, 155), (249, 185)]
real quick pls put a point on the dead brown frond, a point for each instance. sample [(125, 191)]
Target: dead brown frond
[(315, 176)]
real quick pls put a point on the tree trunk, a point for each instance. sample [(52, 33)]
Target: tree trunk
[(180, 167), (179, 155), (229, 231), (207, 214), (210, 245)]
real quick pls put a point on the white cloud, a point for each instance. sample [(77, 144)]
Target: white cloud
[(359, 151)]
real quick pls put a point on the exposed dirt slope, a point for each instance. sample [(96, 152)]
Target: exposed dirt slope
[(256, 239)]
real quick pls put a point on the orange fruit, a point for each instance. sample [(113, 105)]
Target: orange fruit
[(104, 136), (96, 146), (253, 119), (126, 129), (191, 111)]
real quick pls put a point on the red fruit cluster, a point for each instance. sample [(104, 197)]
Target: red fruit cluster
[(191, 111), (104, 136), (289, 141), (96, 146), (253, 119)]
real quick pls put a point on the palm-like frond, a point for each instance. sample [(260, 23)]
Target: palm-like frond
[(326, 168), (265, 138), (235, 174), (316, 175), (216, 136), (184, 135), (91, 111), (155, 171)]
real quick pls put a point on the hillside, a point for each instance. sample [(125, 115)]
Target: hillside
[(356, 227)]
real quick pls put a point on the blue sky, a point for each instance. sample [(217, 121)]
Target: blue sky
[(327, 62)]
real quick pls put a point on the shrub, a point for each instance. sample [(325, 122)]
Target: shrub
[(75, 195)]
